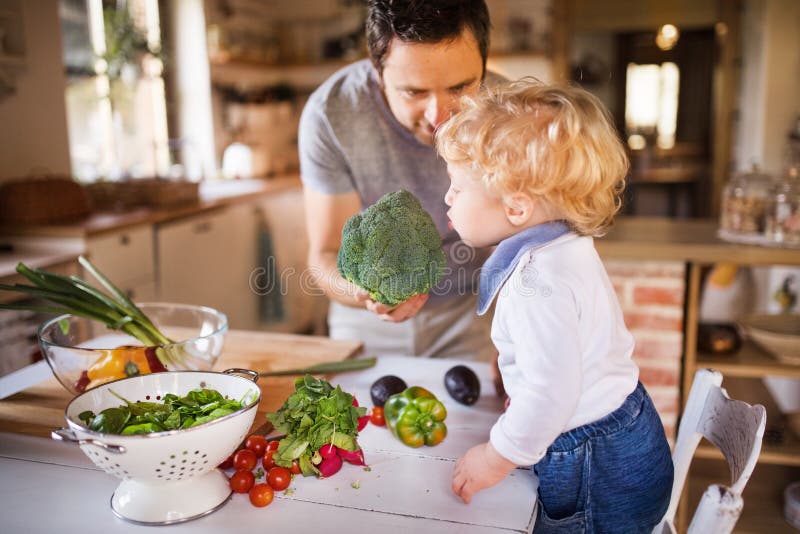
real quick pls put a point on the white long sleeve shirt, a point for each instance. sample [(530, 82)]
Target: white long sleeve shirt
[(565, 353)]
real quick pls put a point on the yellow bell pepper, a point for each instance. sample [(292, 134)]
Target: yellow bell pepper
[(119, 363)]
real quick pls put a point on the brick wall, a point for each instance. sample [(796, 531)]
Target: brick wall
[(651, 295)]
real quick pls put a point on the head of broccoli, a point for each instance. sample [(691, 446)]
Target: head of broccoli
[(392, 249)]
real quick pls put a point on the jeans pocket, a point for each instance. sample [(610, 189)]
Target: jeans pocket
[(563, 478), (574, 524)]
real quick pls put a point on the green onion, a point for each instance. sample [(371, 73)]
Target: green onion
[(326, 368), (73, 295)]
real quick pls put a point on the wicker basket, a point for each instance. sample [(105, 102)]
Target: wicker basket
[(153, 192), (42, 200)]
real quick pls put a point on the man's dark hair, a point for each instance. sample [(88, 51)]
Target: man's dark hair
[(424, 21)]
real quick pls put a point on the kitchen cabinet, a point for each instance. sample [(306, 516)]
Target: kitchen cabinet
[(127, 257), (695, 244), (749, 363), (208, 259)]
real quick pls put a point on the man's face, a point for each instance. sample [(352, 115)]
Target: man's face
[(423, 82)]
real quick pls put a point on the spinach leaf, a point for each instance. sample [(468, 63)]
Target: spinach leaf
[(111, 420), (195, 408)]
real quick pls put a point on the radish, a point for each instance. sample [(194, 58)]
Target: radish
[(362, 422), (353, 457), (326, 451), (330, 466)]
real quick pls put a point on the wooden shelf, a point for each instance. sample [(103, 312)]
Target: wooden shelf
[(523, 54), (763, 498), (751, 362), (255, 73), (784, 454)]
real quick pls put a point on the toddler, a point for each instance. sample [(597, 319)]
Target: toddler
[(538, 170)]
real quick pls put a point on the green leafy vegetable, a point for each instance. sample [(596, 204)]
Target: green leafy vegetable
[(392, 249), (314, 415), (197, 407)]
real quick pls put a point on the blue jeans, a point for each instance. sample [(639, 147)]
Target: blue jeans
[(612, 475)]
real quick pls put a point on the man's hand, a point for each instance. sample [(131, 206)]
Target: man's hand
[(393, 314), (481, 468)]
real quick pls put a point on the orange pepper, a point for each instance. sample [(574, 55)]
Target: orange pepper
[(112, 365)]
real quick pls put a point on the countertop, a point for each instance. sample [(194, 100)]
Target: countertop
[(213, 195), (47, 486), (685, 240), (37, 253)]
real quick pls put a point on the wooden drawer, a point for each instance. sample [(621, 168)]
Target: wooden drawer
[(125, 255)]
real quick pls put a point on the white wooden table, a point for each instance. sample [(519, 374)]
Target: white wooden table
[(46, 486)]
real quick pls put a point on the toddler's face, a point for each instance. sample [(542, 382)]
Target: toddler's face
[(477, 214)]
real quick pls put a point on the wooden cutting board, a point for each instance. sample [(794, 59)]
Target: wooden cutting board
[(40, 409)]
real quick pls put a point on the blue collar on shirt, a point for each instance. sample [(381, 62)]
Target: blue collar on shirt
[(507, 254)]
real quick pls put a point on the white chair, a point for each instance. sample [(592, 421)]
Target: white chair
[(736, 428)]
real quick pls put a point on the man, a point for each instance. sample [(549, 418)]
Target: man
[(368, 131)]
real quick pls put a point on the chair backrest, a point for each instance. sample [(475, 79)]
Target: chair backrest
[(733, 426)]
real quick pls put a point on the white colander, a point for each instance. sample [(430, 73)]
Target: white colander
[(167, 477)]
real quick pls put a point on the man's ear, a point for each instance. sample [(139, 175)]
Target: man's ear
[(519, 208)]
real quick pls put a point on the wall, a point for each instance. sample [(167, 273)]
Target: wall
[(769, 101), (33, 120), (652, 296)]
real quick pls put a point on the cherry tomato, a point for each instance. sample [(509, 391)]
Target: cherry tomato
[(257, 444), (376, 416), (296, 468), (261, 495), (244, 459), (279, 478), (273, 445), (268, 462), (227, 463), (242, 481)]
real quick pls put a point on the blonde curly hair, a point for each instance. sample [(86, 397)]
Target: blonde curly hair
[(554, 142)]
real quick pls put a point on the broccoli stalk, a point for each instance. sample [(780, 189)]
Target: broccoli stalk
[(392, 249)]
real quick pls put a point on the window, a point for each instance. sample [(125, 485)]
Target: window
[(116, 107), (651, 104)]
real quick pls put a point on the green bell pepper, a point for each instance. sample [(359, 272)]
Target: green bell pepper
[(416, 417)]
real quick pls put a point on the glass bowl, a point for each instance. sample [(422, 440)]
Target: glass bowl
[(84, 353)]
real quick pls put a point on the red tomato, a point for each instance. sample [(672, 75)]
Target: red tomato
[(296, 468), (268, 462), (273, 445), (261, 495), (279, 478), (355, 402), (244, 459), (376, 416), (257, 444), (227, 463), (242, 481)]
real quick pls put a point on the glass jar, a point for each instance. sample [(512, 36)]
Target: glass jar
[(745, 199), (783, 214)]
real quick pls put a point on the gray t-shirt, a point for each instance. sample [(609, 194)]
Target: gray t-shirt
[(350, 141)]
